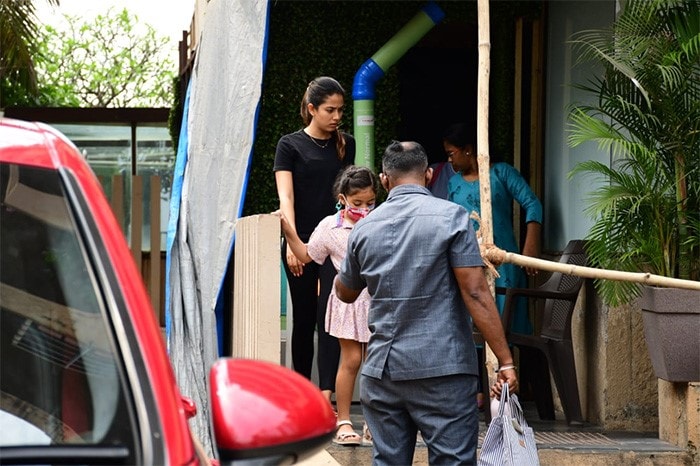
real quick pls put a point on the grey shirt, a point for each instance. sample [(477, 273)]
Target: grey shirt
[(403, 252)]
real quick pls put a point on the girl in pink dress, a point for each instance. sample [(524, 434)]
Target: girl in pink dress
[(356, 191)]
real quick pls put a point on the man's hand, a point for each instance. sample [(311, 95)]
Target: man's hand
[(505, 376), (479, 301)]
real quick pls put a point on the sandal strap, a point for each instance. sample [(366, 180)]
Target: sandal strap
[(346, 422)]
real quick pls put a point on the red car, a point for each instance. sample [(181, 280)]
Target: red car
[(84, 375)]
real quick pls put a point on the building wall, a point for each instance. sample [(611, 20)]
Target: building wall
[(563, 199), (617, 387)]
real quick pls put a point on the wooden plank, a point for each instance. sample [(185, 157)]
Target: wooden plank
[(518, 94), (117, 200), (482, 144), (89, 115), (537, 111), (136, 218), (517, 114), (256, 299), (154, 276)]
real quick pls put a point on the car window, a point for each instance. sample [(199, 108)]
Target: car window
[(60, 381)]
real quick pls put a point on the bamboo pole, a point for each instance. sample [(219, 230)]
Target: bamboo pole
[(482, 144), (496, 256)]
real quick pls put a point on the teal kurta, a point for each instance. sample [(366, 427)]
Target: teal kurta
[(507, 184)]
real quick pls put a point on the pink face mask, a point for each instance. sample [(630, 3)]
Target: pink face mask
[(356, 214)]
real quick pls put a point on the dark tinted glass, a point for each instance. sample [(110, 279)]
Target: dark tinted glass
[(60, 379)]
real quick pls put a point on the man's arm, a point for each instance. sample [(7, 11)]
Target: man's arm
[(345, 294), (479, 301)]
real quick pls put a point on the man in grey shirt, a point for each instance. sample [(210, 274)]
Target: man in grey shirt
[(419, 258)]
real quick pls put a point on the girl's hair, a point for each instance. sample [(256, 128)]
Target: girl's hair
[(316, 93), (354, 178)]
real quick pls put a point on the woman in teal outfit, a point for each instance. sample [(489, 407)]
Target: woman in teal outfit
[(506, 185)]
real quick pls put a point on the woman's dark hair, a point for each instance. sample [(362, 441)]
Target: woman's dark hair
[(354, 178), (460, 135), (316, 93)]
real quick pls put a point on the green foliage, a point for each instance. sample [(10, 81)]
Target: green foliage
[(647, 114), (336, 38), (18, 31), (314, 38), (111, 61), (175, 115)]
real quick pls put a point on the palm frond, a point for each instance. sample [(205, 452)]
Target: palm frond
[(645, 204), (18, 33)]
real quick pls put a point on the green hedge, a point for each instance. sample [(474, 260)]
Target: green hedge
[(315, 38)]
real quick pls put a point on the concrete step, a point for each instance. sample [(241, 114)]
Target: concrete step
[(558, 445), (633, 451)]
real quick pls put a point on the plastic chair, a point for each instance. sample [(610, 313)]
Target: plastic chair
[(559, 292), (553, 341)]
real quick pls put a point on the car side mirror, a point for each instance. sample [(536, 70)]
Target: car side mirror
[(263, 411)]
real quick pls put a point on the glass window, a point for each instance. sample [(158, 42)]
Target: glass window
[(60, 379), (155, 160), (108, 149)]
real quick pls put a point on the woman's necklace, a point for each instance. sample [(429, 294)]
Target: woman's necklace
[(322, 146)]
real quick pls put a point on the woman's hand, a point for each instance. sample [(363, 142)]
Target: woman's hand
[(294, 264), (284, 223), (285, 191)]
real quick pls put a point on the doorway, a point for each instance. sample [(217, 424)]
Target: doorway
[(438, 85)]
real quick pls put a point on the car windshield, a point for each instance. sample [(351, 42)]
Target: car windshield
[(60, 381)]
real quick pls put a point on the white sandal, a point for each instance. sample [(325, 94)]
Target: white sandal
[(349, 439), (366, 436)]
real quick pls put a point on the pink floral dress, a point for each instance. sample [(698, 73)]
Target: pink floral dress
[(343, 320)]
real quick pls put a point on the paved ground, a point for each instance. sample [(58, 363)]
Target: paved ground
[(557, 443)]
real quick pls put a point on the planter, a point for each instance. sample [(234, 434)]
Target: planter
[(672, 332)]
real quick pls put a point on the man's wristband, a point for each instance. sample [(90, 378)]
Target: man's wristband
[(505, 368)]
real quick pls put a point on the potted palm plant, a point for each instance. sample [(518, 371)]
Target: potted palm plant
[(647, 210)]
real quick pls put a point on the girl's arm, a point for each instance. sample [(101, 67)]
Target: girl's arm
[(294, 243), (285, 191)]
